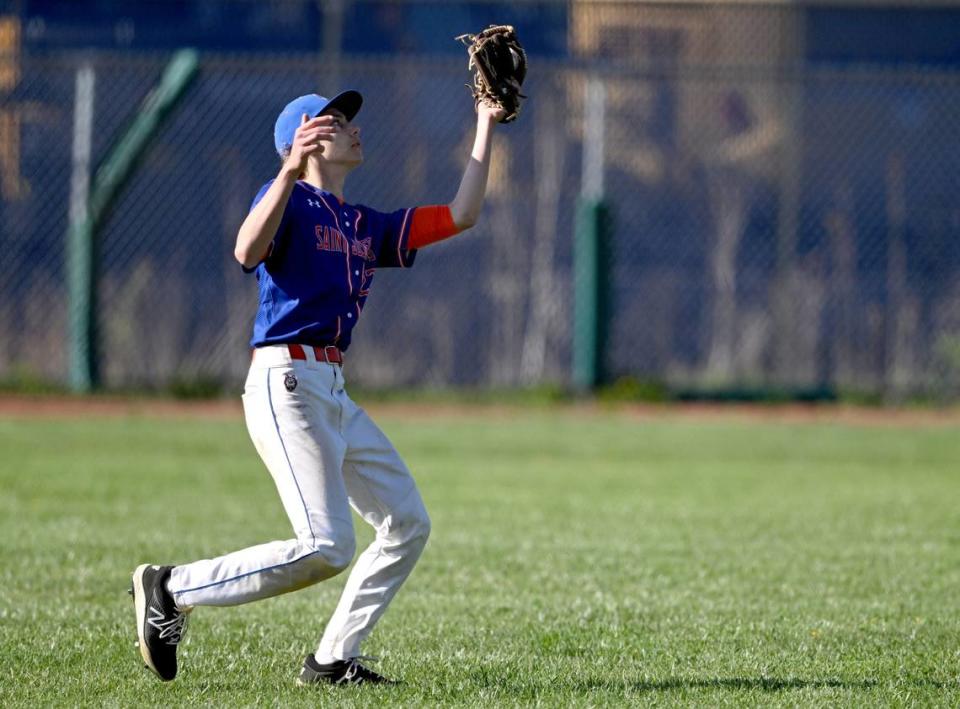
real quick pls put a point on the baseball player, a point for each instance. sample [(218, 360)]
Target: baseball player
[(315, 256)]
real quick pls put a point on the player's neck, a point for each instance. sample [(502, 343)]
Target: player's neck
[(329, 179)]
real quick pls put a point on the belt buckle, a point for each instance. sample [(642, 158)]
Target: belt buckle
[(328, 353)]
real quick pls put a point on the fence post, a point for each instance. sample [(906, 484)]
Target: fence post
[(90, 206), (591, 279), (591, 258), (81, 260)]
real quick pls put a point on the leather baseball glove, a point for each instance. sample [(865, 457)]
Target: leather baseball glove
[(499, 65)]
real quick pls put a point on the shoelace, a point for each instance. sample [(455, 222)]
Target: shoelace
[(355, 668), (170, 630)]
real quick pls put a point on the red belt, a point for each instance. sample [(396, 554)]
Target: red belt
[(330, 353)]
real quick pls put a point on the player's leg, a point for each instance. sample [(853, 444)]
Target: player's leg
[(295, 428), (384, 493)]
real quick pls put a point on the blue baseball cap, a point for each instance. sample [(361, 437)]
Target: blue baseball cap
[(288, 121)]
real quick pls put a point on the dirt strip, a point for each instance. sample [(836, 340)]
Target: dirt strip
[(65, 407)]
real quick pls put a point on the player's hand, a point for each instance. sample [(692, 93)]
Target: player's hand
[(490, 112), (310, 137)]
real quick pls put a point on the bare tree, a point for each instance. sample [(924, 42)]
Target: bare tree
[(902, 314), (737, 165), (549, 160)]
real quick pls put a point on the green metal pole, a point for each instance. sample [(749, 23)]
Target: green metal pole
[(81, 259), (81, 264), (125, 154), (114, 173), (591, 282)]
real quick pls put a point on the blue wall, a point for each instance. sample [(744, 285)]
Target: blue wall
[(885, 35)]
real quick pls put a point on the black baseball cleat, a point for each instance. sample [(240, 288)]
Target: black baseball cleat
[(160, 625), (339, 672)]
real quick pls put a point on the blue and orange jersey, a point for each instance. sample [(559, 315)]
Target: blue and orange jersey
[(317, 272)]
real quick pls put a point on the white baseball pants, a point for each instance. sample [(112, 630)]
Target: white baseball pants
[(325, 455)]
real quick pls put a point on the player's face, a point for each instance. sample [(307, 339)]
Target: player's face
[(345, 148)]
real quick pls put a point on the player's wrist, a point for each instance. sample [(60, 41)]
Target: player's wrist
[(289, 171), (484, 130)]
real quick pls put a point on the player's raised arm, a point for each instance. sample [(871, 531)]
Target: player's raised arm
[(499, 66), (261, 224), (437, 222), (465, 207)]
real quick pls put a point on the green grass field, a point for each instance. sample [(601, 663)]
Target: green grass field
[(575, 560)]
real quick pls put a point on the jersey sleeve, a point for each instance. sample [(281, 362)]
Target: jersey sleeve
[(431, 224), (281, 230), (394, 249)]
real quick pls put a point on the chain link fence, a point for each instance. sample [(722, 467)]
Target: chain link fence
[(776, 223)]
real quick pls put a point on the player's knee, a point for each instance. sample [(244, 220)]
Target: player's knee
[(341, 552), (414, 527), (326, 564), (328, 557), (312, 569), (422, 527)]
